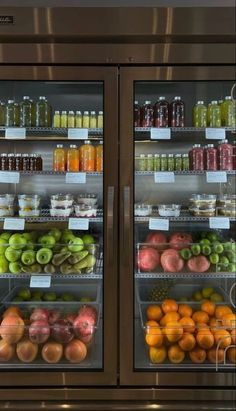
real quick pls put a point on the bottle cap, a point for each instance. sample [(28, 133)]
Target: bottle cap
[(71, 112), (178, 155), (59, 145), (162, 98), (177, 98), (64, 112), (26, 98), (150, 155), (228, 98), (155, 155), (184, 155), (142, 155), (78, 113), (57, 112), (73, 146), (100, 113), (42, 98), (210, 145), (93, 113), (25, 155), (100, 142), (147, 102), (223, 141), (11, 155), (163, 155), (18, 154), (136, 102), (10, 101), (196, 145), (200, 102), (171, 155), (87, 142), (86, 113), (214, 102)]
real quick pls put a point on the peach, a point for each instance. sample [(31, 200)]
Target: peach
[(26, 351), (6, 351), (75, 351), (52, 352)]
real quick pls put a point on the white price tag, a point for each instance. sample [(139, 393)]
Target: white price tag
[(78, 224), (10, 177), (160, 133), (40, 281), (164, 177), (75, 178), (216, 177), (15, 133), (77, 133), (159, 224), (215, 133), (219, 222), (14, 224)]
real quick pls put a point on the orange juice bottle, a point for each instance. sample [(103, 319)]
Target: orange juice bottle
[(99, 157), (59, 158), (72, 159), (87, 156)]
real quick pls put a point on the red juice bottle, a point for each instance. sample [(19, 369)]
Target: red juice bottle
[(196, 158), (136, 114), (147, 114), (210, 157), (225, 155), (234, 155), (177, 112), (161, 113)]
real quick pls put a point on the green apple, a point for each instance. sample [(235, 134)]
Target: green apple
[(15, 268), (56, 234), (64, 250), (34, 236), (214, 258), (28, 257), (3, 246), (3, 265), (12, 255), (76, 244), (88, 299), (213, 236), (227, 246), (217, 247), (231, 256), (6, 236), (231, 268), (17, 241), (44, 255), (67, 297), (66, 237), (29, 245), (25, 294), (49, 296), (88, 239), (27, 236), (47, 241), (37, 294)]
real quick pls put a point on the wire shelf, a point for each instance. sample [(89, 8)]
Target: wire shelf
[(191, 276), (182, 173)]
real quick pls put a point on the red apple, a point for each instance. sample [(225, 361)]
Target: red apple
[(180, 240), (199, 264), (26, 351), (39, 332), (6, 351), (75, 351), (52, 352), (148, 259)]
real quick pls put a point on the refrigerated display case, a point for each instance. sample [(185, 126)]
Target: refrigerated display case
[(177, 242), (58, 228)]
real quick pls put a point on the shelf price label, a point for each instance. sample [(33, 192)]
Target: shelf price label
[(78, 224), (160, 133), (164, 177), (77, 133), (159, 224), (14, 224), (9, 177), (219, 222), (75, 178), (216, 177), (16, 133), (215, 133), (40, 281)]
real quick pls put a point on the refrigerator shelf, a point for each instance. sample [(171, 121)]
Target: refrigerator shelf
[(183, 218), (92, 276), (182, 173), (55, 173), (52, 133), (191, 276)]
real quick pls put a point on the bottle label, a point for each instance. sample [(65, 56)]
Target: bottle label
[(9, 177), (219, 222), (14, 224), (16, 133), (160, 133), (78, 224), (159, 224), (77, 133), (40, 281), (216, 177), (215, 133), (164, 177), (75, 178)]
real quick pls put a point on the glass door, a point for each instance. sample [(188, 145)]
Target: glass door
[(58, 226), (178, 262)]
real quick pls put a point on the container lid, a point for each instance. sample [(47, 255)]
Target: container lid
[(73, 146), (228, 98), (214, 102), (100, 113), (10, 101), (171, 155), (71, 112), (4, 155), (25, 155), (223, 141), (155, 155), (162, 98), (178, 155), (147, 102), (57, 112), (200, 102), (150, 155), (136, 102), (87, 142), (64, 112), (59, 145), (142, 155), (100, 142), (18, 154), (86, 113), (26, 98), (78, 112), (177, 98), (93, 113), (163, 155), (196, 145), (42, 98), (210, 145), (11, 155), (184, 155)]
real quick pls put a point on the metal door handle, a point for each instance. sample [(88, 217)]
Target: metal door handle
[(110, 222), (126, 229)]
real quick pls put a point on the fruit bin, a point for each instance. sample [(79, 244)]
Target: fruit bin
[(66, 336)]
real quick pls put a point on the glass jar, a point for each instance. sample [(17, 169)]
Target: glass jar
[(200, 114), (150, 162), (26, 112), (178, 162), (59, 160), (99, 157), (87, 157), (161, 113), (73, 159), (86, 119), (2, 113), (197, 158), (142, 164), (11, 162), (100, 119), (225, 155), (12, 114), (42, 112), (157, 162), (93, 120), (4, 162), (39, 162), (19, 162), (171, 162), (64, 119), (147, 114), (71, 119), (78, 119), (185, 162), (210, 154), (56, 119), (136, 114), (177, 112), (32, 162), (234, 155), (25, 162), (214, 114), (164, 162)]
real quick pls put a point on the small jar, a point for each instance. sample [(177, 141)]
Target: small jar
[(39, 162), (64, 119), (32, 162), (178, 162), (26, 162), (170, 162), (164, 163), (150, 162), (100, 119), (4, 162), (56, 119), (11, 162), (93, 120), (71, 119), (78, 119), (86, 119), (142, 163), (185, 162), (19, 162), (157, 162)]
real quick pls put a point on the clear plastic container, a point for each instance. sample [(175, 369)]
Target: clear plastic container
[(61, 212), (61, 200), (203, 201), (169, 210), (87, 199), (6, 200), (202, 212), (6, 211), (83, 210), (29, 212), (27, 201), (142, 210), (226, 205)]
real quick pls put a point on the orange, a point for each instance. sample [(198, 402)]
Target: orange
[(223, 338), (157, 355), (171, 316), (201, 326), (233, 336), (231, 354), (169, 305), (229, 321), (153, 335), (187, 342), (154, 312), (185, 310), (197, 355), (188, 324), (173, 331), (205, 339), (200, 317), (222, 310), (208, 307), (214, 354), (175, 354), (215, 324)]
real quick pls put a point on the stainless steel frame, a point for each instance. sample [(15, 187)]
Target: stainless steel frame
[(127, 374), (109, 375)]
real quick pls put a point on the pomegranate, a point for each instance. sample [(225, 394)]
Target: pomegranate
[(54, 315), (39, 331), (157, 238), (85, 322), (148, 259), (62, 331), (180, 240), (171, 261), (39, 314), (199, 264)]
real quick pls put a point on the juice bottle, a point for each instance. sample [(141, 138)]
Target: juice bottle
[(214, 114), (225, 155), (93, 120), (210, 154), (200, 114), (56, 119), (147, 114), (100, 119), (2, 113), (230, 119), (136, 114), (197, 158), (177, 115), (26, 112), (73, 158), (87, 156), (71, 119), (59, 158), (170, 162), (99, 157), (33, 113), (64, 119), (9, 114), (78, 119), (161, 113), (234, 155), (86, 119), (224, 110), (42, 115), (150, 162)]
